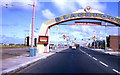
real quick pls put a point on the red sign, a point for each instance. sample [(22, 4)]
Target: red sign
[(43, 40), (94, 37), (64, 36), (88, 23)]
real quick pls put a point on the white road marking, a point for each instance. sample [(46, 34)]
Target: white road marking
[(82, 51), (116, 71), (89, 55), (94, 58), (100, 62), (85, 53), (103, 64)]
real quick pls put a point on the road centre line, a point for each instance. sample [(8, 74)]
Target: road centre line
[(94, 58), (103, 64), (116, 71), (100, 62), (89, 55), (85, 53)]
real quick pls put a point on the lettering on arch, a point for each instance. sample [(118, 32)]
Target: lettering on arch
[(104, 17)]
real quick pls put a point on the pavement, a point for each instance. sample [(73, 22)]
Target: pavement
[(13, 64), (107, 51)]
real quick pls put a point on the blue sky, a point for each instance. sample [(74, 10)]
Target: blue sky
[(16, 19)]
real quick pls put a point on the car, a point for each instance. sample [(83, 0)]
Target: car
[(73, 47)]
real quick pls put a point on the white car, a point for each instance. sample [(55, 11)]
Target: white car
[(73, 47)]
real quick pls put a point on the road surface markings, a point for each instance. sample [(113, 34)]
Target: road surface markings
[(94, 58), (85, 53), (103, 64), (89, 55), (100, 61), (116, 71)]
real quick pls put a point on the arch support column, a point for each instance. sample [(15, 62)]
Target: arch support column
[(46, 50)]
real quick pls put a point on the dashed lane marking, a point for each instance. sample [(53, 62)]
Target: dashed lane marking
[(94, 58), (85, 53), (89, 55), (116, 71), (100, 61), (103, 64)]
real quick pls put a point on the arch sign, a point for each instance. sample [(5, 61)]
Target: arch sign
[(87, 13)]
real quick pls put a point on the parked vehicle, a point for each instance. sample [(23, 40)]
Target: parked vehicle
[(74, 47)]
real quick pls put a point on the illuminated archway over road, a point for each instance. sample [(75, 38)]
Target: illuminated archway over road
[(82, 14)]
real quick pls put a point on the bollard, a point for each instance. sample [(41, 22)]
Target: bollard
[(31, 51)]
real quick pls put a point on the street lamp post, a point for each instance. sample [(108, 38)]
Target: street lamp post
[(32, 49), (105, 37), (57, 36), (33, 18)]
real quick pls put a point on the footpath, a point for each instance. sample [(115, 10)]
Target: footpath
[(107, 51), (13, 64)]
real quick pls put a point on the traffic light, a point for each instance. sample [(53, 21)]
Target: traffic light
[(35, 41), (27, 41)]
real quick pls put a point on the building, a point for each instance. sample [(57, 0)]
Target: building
[(113, 41)]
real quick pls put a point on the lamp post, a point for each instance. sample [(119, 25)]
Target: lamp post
[(94, 37), (32, 25), (105, 36), (57, 36), (32, 49)]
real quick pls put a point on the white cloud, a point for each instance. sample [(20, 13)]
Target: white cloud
[(71, 6), (64, 6), (87, 29), (48, 14), (75, 27), (93, 3), (101, 33)]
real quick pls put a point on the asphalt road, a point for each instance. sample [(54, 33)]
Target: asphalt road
[(81, 60)]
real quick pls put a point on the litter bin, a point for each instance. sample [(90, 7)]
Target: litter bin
[(32, 52), (35, 51)]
